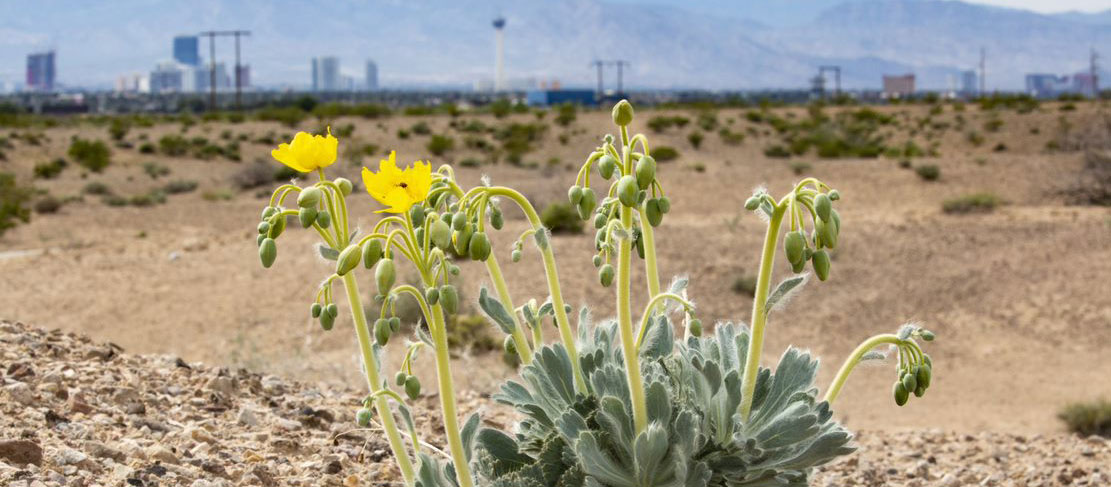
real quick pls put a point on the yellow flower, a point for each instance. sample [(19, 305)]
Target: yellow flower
[(307, 152), (398, 189)]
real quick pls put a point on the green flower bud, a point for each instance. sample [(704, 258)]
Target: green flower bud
[(394, 323), (665, 204), (799, 266), (919, 391), (309, 197), (447, 217), (432, 295), (459, 221), (324, 219), (316, 309), (575, 194), (384, 275), (605, 275), (345, 186), (412, 387), (327, 321), (623, 113), (587, 204), (277, 226), (827, 232), (331, 310), (910, 381), (646, 171), (822, 206), (399, 379), (453, 269), (496, 219), (597, 261), (463, 240), (927, 335), (363, 416), (307, 216), (479, 247), (509, 345), (441, 235), (793, 244), (372, 252), (834, 194), (381, 332), (268, 212), (696, 327), (599, 220), (449, 298), (258, 241), (925, 374), (263, 227), (652, 212), (926, 359), (515, 256), (821, 268), (901, 394), (348, 259), (627, 190), (419, 234), (416, 213), (752, 203), (606, 165), (641, 196), (267, 252)]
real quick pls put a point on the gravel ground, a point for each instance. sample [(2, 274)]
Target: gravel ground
[(78, 413)]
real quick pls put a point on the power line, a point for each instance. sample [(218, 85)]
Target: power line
[(212, 64)]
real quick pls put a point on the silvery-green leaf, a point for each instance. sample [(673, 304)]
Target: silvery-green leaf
[(496, 311), (784, 291), (470, 428), (597, 464), (327, 252), (649, 448)]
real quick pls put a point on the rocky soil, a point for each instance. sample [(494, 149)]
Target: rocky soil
[(75, 412)]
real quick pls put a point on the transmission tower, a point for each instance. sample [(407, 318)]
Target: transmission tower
[(212, 34), (1094, 68), (620, 63)]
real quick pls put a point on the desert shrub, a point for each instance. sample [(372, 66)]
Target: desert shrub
[(1000, 147), (173, 145), (695, 138), (744, 284), (13, 197), (1093, 183), (777, 151), (420, 128), (501, 107), (517, 139), (179, 186), (115, 200), (1088, 418), (288, 116), (402, 134), (146, 148), (905, 164), (49, 170), (440, 144), (150, 198), (96, 188), (928, 172), (665, 153), (155, 170), (972, 203), (993, 124), (259, 173), (221, 194), (699, 167), (566, 114), (974, 138), (471, 332), (707, 120), (47, 204), (470, 162), (729, 137), (561, 218), (472, 126), (90, 154), (118, 128), (800, 167), (342, 131)]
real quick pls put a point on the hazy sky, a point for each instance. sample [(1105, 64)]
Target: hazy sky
[(1051, 5)]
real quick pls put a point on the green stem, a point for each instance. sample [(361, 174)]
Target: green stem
[(374, 382), (524, 351), (759, 316), (624, 308), (654, 303), (565, 333), (647, 235), (850, 363), (438, 330)]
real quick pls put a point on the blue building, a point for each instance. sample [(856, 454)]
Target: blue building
[(187, 50), (40, 71), (555, 97)]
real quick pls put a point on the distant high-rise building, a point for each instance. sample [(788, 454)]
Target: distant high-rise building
[(244, 76), (40, 71), (187, 50), (371, 76), (898, 86), (167, 77), (1045, 85), (325, 74), (969, 78), (1084, 84)]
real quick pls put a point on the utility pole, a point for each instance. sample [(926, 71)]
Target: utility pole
[(1094, 68), (836, 78), (620, 63), (983, 70), (600, 65), (212, 64)]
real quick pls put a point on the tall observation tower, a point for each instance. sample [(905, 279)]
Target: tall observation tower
[(499, 61)]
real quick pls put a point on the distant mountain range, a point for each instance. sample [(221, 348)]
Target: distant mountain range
[(709, 44)]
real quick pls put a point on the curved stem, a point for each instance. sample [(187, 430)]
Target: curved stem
[(374, 382), (655, 302), (759, 316), (850, 363), (565, 333), (524, 351)]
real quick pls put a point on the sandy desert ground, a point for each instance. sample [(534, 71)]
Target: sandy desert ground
[(1019, 297)]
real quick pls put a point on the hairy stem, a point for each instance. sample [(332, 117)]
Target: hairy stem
[(374, 382), (524, 351), (759, 314), (647, 235), (624, 308), (438, 330), (850, 363)]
